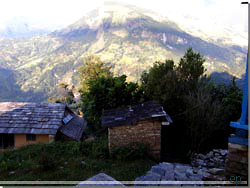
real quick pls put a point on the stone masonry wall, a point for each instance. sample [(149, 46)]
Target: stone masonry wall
[(237, 161), (146, 132)]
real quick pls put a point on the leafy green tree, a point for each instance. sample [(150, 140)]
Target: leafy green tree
[(161, 83), (186, 95), (191, 66), (92, 69), (151, 80), (107, 93), (231, 98), (67, 95)]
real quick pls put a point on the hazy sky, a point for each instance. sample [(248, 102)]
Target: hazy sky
[(65, 12)]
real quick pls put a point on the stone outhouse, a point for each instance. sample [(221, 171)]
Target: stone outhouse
[(137, 124)]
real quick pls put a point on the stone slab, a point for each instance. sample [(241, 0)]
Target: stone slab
[(159, 170), (98, 179)]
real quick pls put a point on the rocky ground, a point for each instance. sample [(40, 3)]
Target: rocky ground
[(171, 172), (209, 167), (202, 168)]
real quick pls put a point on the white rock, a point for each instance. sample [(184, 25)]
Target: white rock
[(216, 171), (98, 180), (189, 172), (210, 154), (200, 156), (224, 152), (179, 176)]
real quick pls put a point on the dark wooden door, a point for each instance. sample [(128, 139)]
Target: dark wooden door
[(6, 141)]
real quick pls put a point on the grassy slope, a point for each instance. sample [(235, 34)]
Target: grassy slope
[(71, 161), (131, 47)]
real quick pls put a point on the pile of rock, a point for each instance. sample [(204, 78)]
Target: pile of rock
[(213, 162), (214, 174), (209, 167), (173, 172), (214, 159)]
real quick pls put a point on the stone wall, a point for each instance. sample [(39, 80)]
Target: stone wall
[(145, 132), (212, 164), (237, 162)]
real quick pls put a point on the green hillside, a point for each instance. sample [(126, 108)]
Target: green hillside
[(126, 37)]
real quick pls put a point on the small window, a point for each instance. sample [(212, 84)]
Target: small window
[(67, 119), (30, 137)]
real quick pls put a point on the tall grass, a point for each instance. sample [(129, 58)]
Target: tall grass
[(72, 161)]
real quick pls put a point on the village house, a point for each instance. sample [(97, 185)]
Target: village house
[(137, 124), (29, 123)]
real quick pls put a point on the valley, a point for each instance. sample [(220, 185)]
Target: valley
[(128, 38)]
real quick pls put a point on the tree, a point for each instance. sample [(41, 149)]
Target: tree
[(92, 69), (231, 98), (232, 102), (184, 92), (191, 66), (202, 116), (66, 95), (160, 83), (107, 93)]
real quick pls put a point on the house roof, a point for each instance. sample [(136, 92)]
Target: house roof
[(74, 128), (38, 118), (132, 114), (30, 118)]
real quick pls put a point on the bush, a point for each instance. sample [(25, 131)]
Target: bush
[(97, 149), (129, 153), (46, 162)]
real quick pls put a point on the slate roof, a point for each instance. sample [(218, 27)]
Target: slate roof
[(132, 114), (30, 118), (74, 128)]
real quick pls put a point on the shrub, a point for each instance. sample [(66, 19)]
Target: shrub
[(46, 162), (97, 149), (129, 152)]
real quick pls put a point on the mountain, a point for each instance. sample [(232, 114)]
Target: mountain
[(19, 27), (124, 36), (212, 31)]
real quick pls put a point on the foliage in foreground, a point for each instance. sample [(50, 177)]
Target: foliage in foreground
[(72, 161), (92, 69), (108, 93), (198, 107), (67, 96)]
